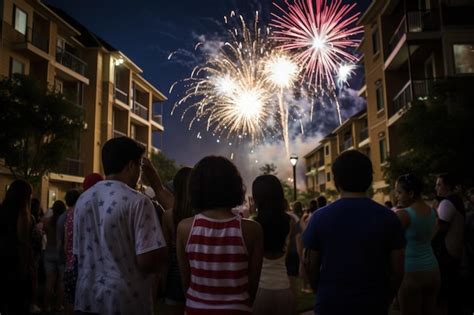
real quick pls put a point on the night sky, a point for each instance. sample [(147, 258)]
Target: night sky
[(148, 31)]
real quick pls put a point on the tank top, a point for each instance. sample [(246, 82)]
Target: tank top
[(273, 275), (218, 260), (419, 255)]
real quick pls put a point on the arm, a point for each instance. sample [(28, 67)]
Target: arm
[(153, 261), (168, 226), (163, 196), (312, 267), (397, 270), (446, 212), (253, 236), (182, 235)]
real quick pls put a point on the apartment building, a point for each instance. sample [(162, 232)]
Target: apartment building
[(352, 134), (408, 45), (50, 45)]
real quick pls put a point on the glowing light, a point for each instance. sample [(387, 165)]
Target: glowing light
[(318, 43), (344, 73), (225, 85), (281, 71)]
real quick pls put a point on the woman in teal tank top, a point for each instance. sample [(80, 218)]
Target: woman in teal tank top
[(421, 283)]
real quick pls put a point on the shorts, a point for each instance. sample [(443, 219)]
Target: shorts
[(52, 263)]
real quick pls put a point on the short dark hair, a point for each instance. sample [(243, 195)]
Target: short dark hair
[(411, 183), (313, 205), (118, 152), (352, 171), (449, 180), (215, 182), (322, 201), (71, 197)]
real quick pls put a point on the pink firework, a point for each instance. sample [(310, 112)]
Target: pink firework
[(319, 33)]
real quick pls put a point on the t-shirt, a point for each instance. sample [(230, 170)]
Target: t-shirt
[(454, 238), (114, 223), (354, 237)]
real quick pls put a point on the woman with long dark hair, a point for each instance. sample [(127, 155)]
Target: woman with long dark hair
[(16, 250), (274, 295), (174, 294)]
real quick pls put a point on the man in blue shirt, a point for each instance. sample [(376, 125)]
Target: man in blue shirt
[(354, 247)]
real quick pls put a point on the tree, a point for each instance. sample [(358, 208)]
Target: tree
[(165, 166), (436, 135), (38, 127), (268, 169)]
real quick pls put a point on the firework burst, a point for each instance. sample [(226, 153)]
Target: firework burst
[(230, 90), (319, 34)]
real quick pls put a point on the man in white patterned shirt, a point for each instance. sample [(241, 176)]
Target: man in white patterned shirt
[(117, 236)]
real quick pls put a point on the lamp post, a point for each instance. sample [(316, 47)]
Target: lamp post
[(293, 161)]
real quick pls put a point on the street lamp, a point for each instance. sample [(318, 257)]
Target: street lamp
[(293, 161)]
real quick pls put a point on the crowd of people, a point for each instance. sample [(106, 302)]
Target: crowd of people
[(114, 247)]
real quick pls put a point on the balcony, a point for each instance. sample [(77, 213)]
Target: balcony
[(412, 90), (158, 119), (121, 95), (118, 134), (71, 166), (413, 22), (70, 61), (140, 110), (345, 145)]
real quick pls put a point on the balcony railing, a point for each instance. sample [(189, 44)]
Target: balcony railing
[(363, 134), (416, 89), (412, 22), (71, 166), (346, 144), (71, 61), (118, 134), (140, 110), (158, 119), (121, 95)]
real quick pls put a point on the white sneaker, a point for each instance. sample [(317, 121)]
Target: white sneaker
[(35, 309)]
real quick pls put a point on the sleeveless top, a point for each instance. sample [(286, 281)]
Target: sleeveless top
[(218, 260), (274, 275), (419, 255)]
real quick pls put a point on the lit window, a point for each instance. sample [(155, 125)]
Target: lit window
[(379, 95), (20, 21), (464, 58), (17, 67)]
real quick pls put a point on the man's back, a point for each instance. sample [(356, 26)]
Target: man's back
[(112, 225), (354, 237)]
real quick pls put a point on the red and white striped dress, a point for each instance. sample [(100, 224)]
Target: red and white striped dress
[(219, 268)]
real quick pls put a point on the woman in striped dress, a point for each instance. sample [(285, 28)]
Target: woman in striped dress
[(219, 253)]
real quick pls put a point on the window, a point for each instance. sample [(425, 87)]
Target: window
[(379, 95), (383, 150), (463, 58), (16, 67), (328, 177), (20, 20), (327, 150), (133, 131), (321, 179), (375, 41)]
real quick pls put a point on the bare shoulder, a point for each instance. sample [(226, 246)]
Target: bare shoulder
[(251, 227), (184, 227), (404, 217)]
